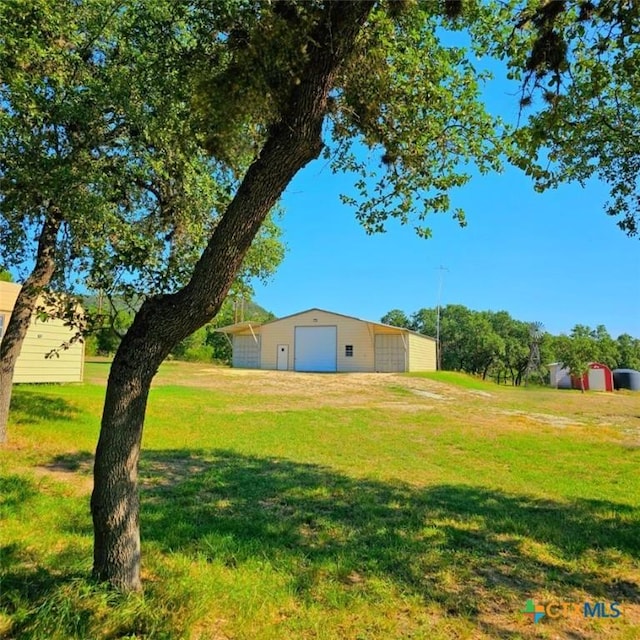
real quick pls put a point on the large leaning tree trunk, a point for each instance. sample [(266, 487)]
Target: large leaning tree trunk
[(165, 320), (22, 312)]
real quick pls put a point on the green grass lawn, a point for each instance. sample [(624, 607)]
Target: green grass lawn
[(456, 378), (280, 505)]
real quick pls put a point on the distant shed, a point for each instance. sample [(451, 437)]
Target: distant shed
[(626, 379), (42, 338), (598, 378), (559, 376)]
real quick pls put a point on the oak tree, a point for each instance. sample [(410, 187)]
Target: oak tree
[(284, 82), (578, 64), (49, 122), (102, 177)]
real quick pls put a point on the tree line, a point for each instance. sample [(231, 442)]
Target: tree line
[(494, 345)]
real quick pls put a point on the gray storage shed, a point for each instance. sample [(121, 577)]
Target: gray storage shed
[(626, 379)]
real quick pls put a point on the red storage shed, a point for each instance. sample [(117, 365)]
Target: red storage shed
[(598, 378)]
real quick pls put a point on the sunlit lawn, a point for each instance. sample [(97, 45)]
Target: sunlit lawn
[(280, 505)]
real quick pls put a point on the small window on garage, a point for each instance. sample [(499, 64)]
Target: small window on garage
[(348, 350)]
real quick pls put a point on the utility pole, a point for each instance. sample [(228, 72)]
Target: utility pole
[(441, 269)]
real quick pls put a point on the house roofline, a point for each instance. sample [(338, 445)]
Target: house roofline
[(344, 315), (247, 324)]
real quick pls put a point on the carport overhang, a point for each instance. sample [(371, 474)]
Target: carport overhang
[(241, 328), (387, 329)]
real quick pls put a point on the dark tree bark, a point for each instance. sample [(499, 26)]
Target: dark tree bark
[(163, 321), (22, 312)]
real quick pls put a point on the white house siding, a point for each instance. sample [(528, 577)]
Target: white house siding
[(359, 335), (246, 351), (390, 353), (422, 353), (42, 338), (349, 332)]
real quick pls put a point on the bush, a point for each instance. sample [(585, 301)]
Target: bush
[(197, 353)]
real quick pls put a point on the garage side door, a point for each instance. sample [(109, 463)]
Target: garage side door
[(390, 353), (246, 352), (316, 348)]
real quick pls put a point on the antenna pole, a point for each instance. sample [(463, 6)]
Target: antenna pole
[(441, 269)]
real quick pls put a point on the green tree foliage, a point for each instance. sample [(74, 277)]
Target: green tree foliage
[(103, 177), (5, 276), (97, 135), (596, 343), (412, 101), (607, 349), (108, 324), (628, 352), (578, 67), (53, 114), (494, 344), (516, 336), (575, 352), (396, 318), (468, 340)]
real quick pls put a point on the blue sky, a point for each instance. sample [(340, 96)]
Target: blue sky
[(555, 257)]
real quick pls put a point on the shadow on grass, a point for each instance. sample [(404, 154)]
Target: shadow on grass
[(76, 462), (467, 549), (51, 601), (21, 581), (32, 408), (449, 544)]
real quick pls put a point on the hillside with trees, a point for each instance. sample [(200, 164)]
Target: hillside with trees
[(111, 321)]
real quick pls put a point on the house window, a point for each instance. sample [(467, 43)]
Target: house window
[(1, 325), (348, 350)]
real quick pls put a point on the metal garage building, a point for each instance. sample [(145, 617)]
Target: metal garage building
[(42, 338), (323, 341)]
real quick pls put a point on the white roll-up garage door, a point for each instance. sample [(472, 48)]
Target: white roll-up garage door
[(316, 348)]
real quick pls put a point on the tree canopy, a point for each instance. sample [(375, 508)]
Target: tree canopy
[(104, 181), (97, 135), (496, 345), (579, 68)]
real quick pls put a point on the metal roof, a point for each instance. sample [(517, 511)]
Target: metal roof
[(252, 326), (238, 326)]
